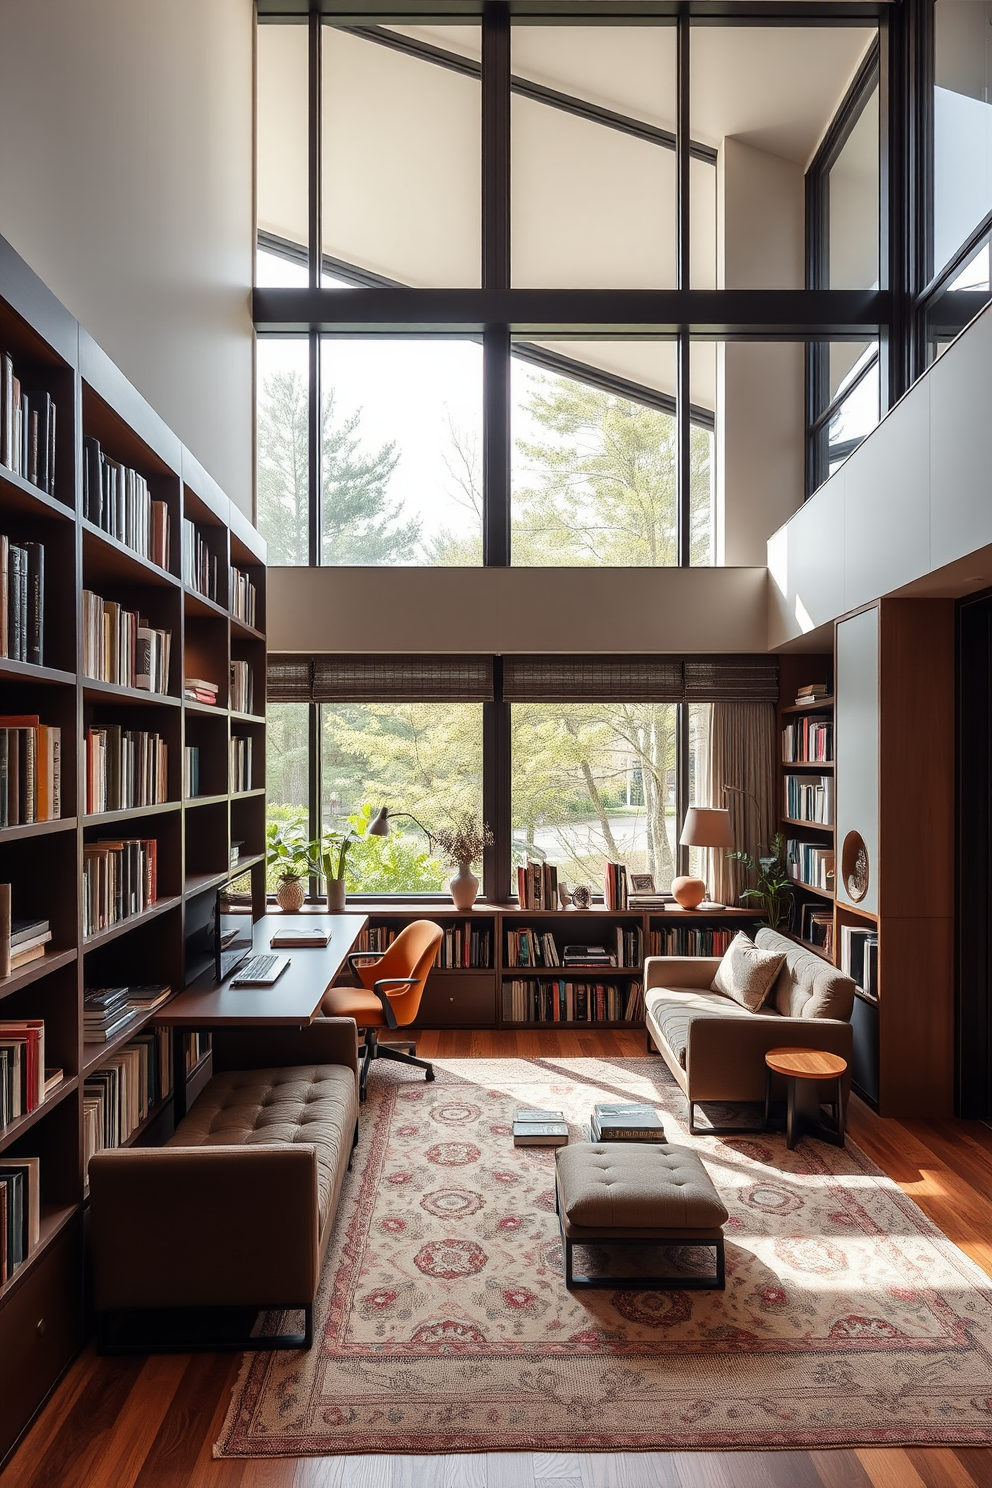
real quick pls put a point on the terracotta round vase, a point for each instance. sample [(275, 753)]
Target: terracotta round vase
[(464, 887), (291, 895), (688, 892), (336, 895)]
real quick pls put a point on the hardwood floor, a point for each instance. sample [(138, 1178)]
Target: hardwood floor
[(151, 1423)]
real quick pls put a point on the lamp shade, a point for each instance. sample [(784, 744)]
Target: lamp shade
[(379, 825), (707, 826)]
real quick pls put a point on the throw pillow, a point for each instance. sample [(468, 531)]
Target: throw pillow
[(746, 973)]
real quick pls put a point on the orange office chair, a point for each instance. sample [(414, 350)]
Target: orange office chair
[(388, 995)]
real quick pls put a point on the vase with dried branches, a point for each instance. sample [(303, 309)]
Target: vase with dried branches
[(462, 845)]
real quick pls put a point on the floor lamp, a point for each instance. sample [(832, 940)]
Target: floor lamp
[(704, 826)]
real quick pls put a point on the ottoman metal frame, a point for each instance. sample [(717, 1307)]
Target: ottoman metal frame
[(716, 1283)]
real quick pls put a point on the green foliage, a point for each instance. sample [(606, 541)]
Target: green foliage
[(772, 889), (286, 849)]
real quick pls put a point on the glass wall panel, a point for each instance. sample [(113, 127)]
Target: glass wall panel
[(853, 205), (424, 758), (281, 173), (699, 721), (281, 422), (592, 782), (962, 167), (762, 97), (401, 451), (592, 157), (402, 147), (287, 773), (846, 382)]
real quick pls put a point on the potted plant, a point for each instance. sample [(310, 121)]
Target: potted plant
[(773, 887), (462, 845), (327, 859), (287, 850)]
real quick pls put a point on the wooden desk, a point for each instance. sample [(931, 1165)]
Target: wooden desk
[(293, 1000)]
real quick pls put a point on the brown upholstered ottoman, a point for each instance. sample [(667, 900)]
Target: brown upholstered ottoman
[(636, 1193)]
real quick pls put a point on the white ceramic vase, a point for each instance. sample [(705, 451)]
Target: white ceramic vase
[(464, 887), (336, 895)]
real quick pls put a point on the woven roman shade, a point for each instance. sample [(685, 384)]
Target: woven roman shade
[(731, 679), (380, 679)]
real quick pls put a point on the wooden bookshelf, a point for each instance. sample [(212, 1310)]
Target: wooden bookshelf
[(796, 672), (43, 861)]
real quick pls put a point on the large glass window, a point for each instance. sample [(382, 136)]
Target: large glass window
[(962, 123), (853, 205), (287, 771), (281, 432), (846, 375), (281, 182)]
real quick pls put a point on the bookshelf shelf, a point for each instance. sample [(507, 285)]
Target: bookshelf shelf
[(799, 821), (35, 970), (129, 813), (240, 628), (797, 883), (16, 1129), (564, 1023), (818, 767), (196, 603), (53, 1220), (38, 829), (20, 495), (26, 671), (124, 927), (198, 883), (192, 802), (244, 717), (95, 1054), (258, 790), (206, 710), (808, 946), (150, 1119), (822, 705), (106, 558), (97, 691)]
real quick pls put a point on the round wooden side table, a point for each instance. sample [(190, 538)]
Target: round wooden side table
[(803, 1069)]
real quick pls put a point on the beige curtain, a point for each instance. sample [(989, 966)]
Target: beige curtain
[(743, 752)]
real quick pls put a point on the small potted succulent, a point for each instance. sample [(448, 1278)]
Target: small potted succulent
[(462, 845), (287, 850)]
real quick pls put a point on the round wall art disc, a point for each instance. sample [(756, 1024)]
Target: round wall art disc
[(854, 866)]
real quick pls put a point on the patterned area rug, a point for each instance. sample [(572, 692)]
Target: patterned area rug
[(444, 1325)]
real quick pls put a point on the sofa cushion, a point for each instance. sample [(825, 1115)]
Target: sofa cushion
[(315, 1104), (747, 972), (807, 986), (672, 1009)]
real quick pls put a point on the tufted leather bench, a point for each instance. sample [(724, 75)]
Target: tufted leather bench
[(235, 1211), (637, 1193)]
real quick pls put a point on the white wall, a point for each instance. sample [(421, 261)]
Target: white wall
[(126, 184)]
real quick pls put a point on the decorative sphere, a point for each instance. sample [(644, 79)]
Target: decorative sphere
[(689, 892)]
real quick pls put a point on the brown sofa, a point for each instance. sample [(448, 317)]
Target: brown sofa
[(236, 1210), (715, 1048)]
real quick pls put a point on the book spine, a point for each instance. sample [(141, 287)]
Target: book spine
[(35, 603)]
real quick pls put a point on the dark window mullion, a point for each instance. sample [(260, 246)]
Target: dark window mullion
[(314, 805), (683, 468), (496, 275), (681, 785), (496, 749)]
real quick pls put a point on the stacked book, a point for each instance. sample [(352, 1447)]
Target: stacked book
[(199, 563), (810, 798), (537, 1128), (20, 1211), (118, 501), (537, 885), (191, 771), (27, 430), (808, 741), (22, 1067), (125, 768), (106, 1011), (689, 940), (120, 879), (810, 865), (240, 770), (242, 691), (195, 690), (120, 646), (816, 927), (464, 948), (626, 1121), (531, 948), (615, 886), (30, 770), (119, 1095), (591, 956), (22, 600), (812, 694), (563, 1001), (859, 957), (656, 899), (28, 939), (242, 597)]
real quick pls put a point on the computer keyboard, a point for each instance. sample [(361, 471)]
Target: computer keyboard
[(255, 968)]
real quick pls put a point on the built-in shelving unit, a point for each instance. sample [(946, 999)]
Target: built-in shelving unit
[(41, 1304), (809, 842)]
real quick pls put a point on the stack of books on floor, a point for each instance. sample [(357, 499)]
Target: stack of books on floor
[(240, 771), (195, 690), (191, 771), (125, 768), (22, 600), (120, 879), (20, 1211), (812, 693), (122, 1092), (615, 886), (859, 957), (199, 563), (118, 500), (626, 1121), (27, 429), (120, 646), (22, 1067), (242, 688), (30, 770), (537, 1128), (242, 597), (537, 885), (590, 956)]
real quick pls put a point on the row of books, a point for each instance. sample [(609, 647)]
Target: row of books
[(197, 1047), (242, 688), (537, 885), (199, 562), (125, 768), (118, 500), (615, 886), (376, 938), (531, 948), (464, 948), (20, 1211), (22, 1067), (122, 1092), (30, 770), (539, 948), (120, 646), (191, 771), (22, 600), (564, 1001), (107, 1011), (859, 957), (816, 927), (21, 941), (196, 690), (810, 865), (808, 741), (27, 429), (688, 940), (810, 798), (242, 597), (120, 880), (240, 764)]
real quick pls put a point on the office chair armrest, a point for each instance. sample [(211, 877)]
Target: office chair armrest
[(354, 956), (380, 991)]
